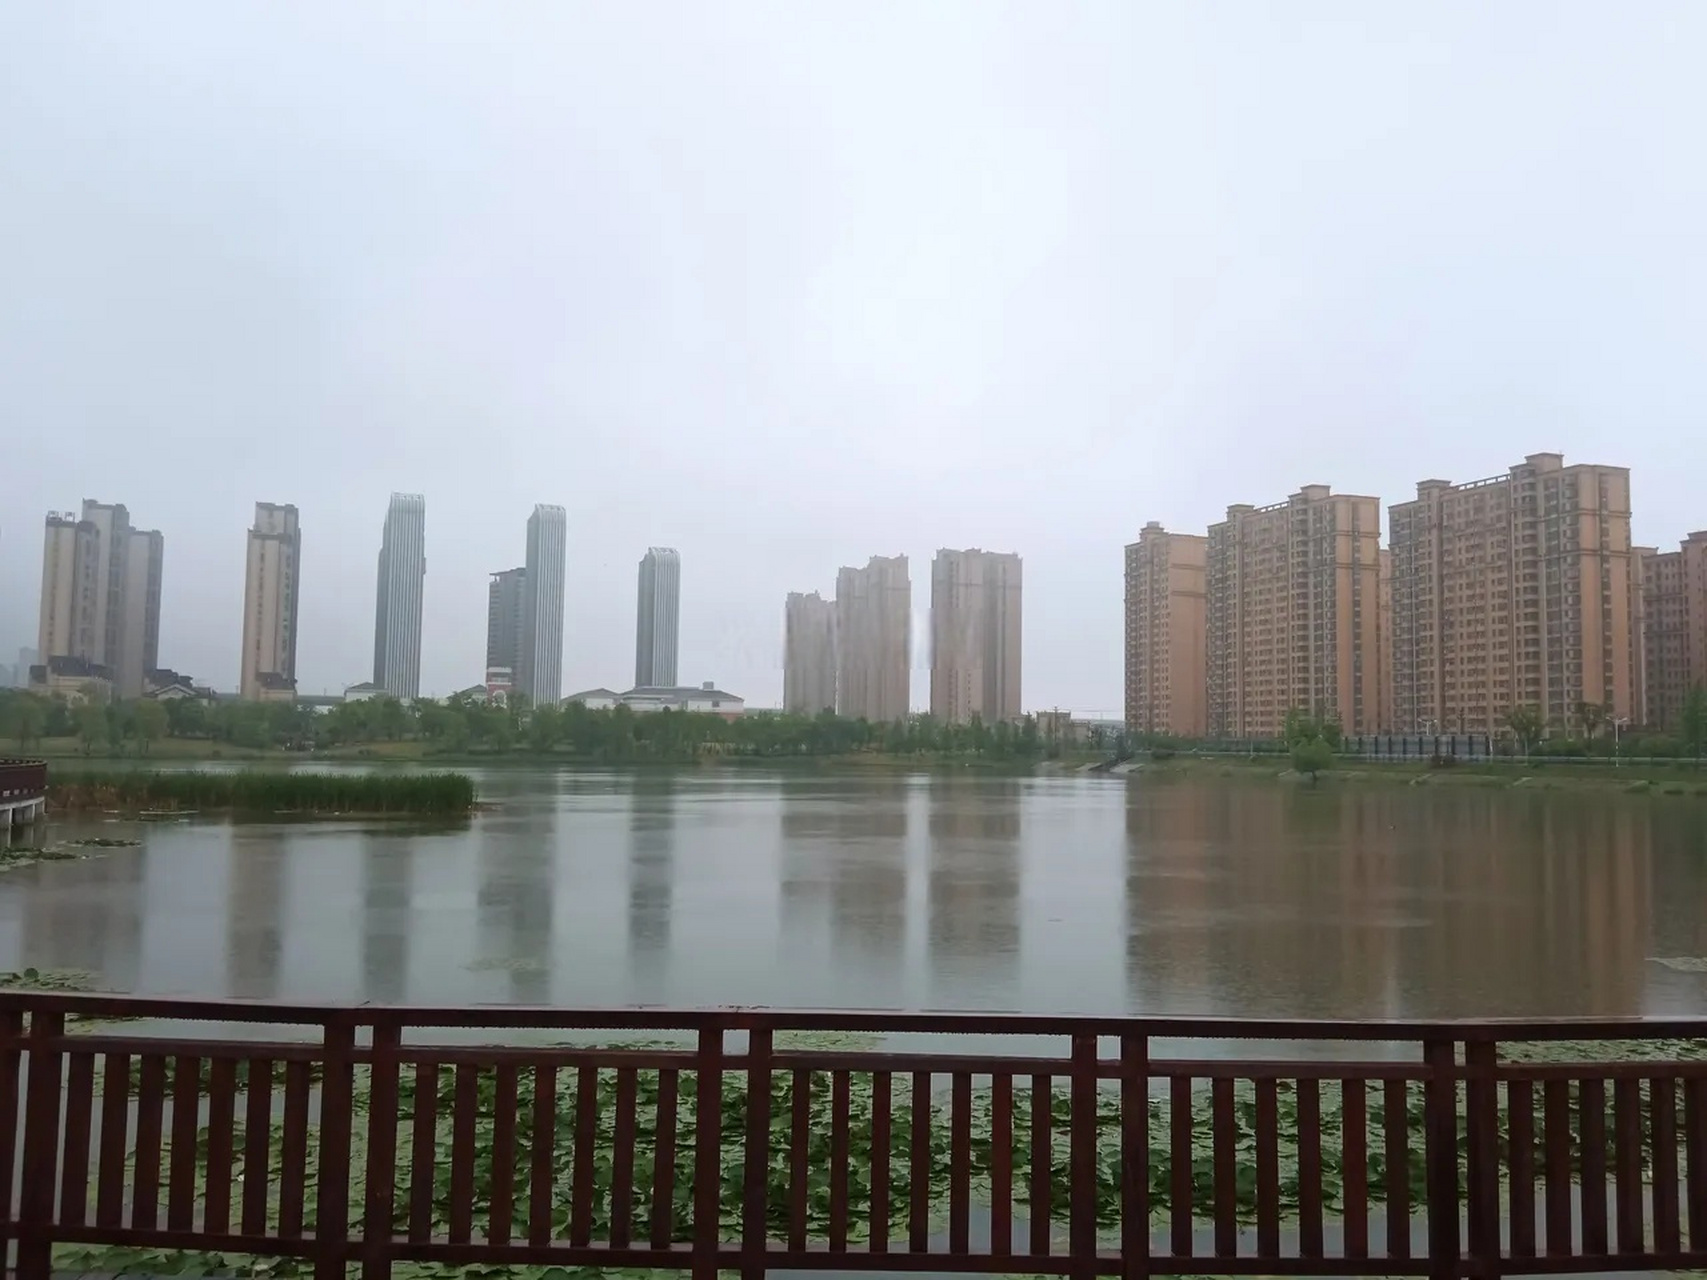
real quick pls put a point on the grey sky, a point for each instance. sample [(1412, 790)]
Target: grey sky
[(785, 286)]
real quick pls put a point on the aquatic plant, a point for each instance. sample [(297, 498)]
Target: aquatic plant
[(265, 791)]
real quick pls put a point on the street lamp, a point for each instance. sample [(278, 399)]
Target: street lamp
[(1617, 758)]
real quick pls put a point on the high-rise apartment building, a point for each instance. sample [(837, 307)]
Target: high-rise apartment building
[(975, 636), (397, 613), (1293, 614), (658, 619), (100, 601), (69, 574), (139, 639), (270, 592), (1166, 642), (504, 601), (539, 674), (809, 654), (1673, 627), (874, 611), (1514, 591)]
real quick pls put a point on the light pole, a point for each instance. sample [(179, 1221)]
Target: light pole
[(1617, 756)]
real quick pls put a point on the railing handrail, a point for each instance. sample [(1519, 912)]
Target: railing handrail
[(497, 1017)]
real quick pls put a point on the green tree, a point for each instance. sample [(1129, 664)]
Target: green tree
[(1525, 724), (93, 728), (148, 721), (1694, 722), (1590, 715), (1313, 756)]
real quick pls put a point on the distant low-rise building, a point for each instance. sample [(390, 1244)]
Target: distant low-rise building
[(363, 691), (596, 699), (703, 698), (75, 679)]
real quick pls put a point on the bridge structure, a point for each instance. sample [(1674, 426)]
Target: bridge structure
[(366, 1137), (23, 795)]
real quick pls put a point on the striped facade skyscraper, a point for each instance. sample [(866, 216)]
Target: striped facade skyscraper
[(658, 619), (272, 583), (397, 613), (539, 673)]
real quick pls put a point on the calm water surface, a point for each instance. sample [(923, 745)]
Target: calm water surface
[(1214, 896)]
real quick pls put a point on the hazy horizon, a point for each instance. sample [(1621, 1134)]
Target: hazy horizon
[(787, 287)]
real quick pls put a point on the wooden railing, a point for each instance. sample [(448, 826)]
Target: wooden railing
[(22, 779), (1006, 1144)]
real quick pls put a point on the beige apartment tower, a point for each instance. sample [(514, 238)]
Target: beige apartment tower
[(809, 654), (975, 636), (874, 613), (1293, 614), (69, 569), (270, 591), (1673, 627), (100, 594), (1166, 617), (1514, 591)]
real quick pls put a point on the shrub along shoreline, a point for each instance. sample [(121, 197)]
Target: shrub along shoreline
[(259, 791)]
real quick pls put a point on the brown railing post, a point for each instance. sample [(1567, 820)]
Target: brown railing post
[(1082, 1153), (707, 1156), (380, 1202), (332, 1203), (11, 1059), (756, 1167), (1482, 1156), (1440, 1157), (41, 1146), (1135, 1156)]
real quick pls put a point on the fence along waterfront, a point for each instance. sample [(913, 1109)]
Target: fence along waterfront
[(369, 1136)]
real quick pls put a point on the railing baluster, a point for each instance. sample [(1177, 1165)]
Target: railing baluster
[(221, 1133), (622, 1159), (755, 1206), (840, 1104), (1135, 1156), (1082, 1159), (1310, 1243), (1354, 1158), (882, 1136), (960, 1165), (1662, 1110), (379, 1198), (501, 1212), (464, 1120), (1224, 1130), (582, 1170), (1180, 1166), (181, 1172), (1627, 1162), (423, 1151), (1001, 1165), (1042, 1160), (293, 1149), (1268, 1168), (1396, 1122), (707, 1156), (799, 1157), (1520, 1158), (1591, 1123), (257, 1146), (74, 1167), (337, 1118), (542, 1144), (115, 1142), (11, 1060), (1556, 1133), (919, 1167), (664, 1161), (150, 1099)]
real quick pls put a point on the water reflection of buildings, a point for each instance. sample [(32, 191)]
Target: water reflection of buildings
[(844, 874), (388, 861), (1384, 901), (87, 915), (513, 928), (254, 913), (973, 884), (651, 883)]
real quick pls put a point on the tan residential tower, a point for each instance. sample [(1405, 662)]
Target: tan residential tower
[(874, 609), (975, 636), (270, 592), (1166, 656)]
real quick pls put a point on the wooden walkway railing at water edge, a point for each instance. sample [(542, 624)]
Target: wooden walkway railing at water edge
[(748, 1140)]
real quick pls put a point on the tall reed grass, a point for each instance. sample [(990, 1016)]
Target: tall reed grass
[(265, 791)]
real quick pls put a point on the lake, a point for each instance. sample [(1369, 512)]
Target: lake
[(1058, 893)]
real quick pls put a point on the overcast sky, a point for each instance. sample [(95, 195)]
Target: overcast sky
[(786, 286)]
